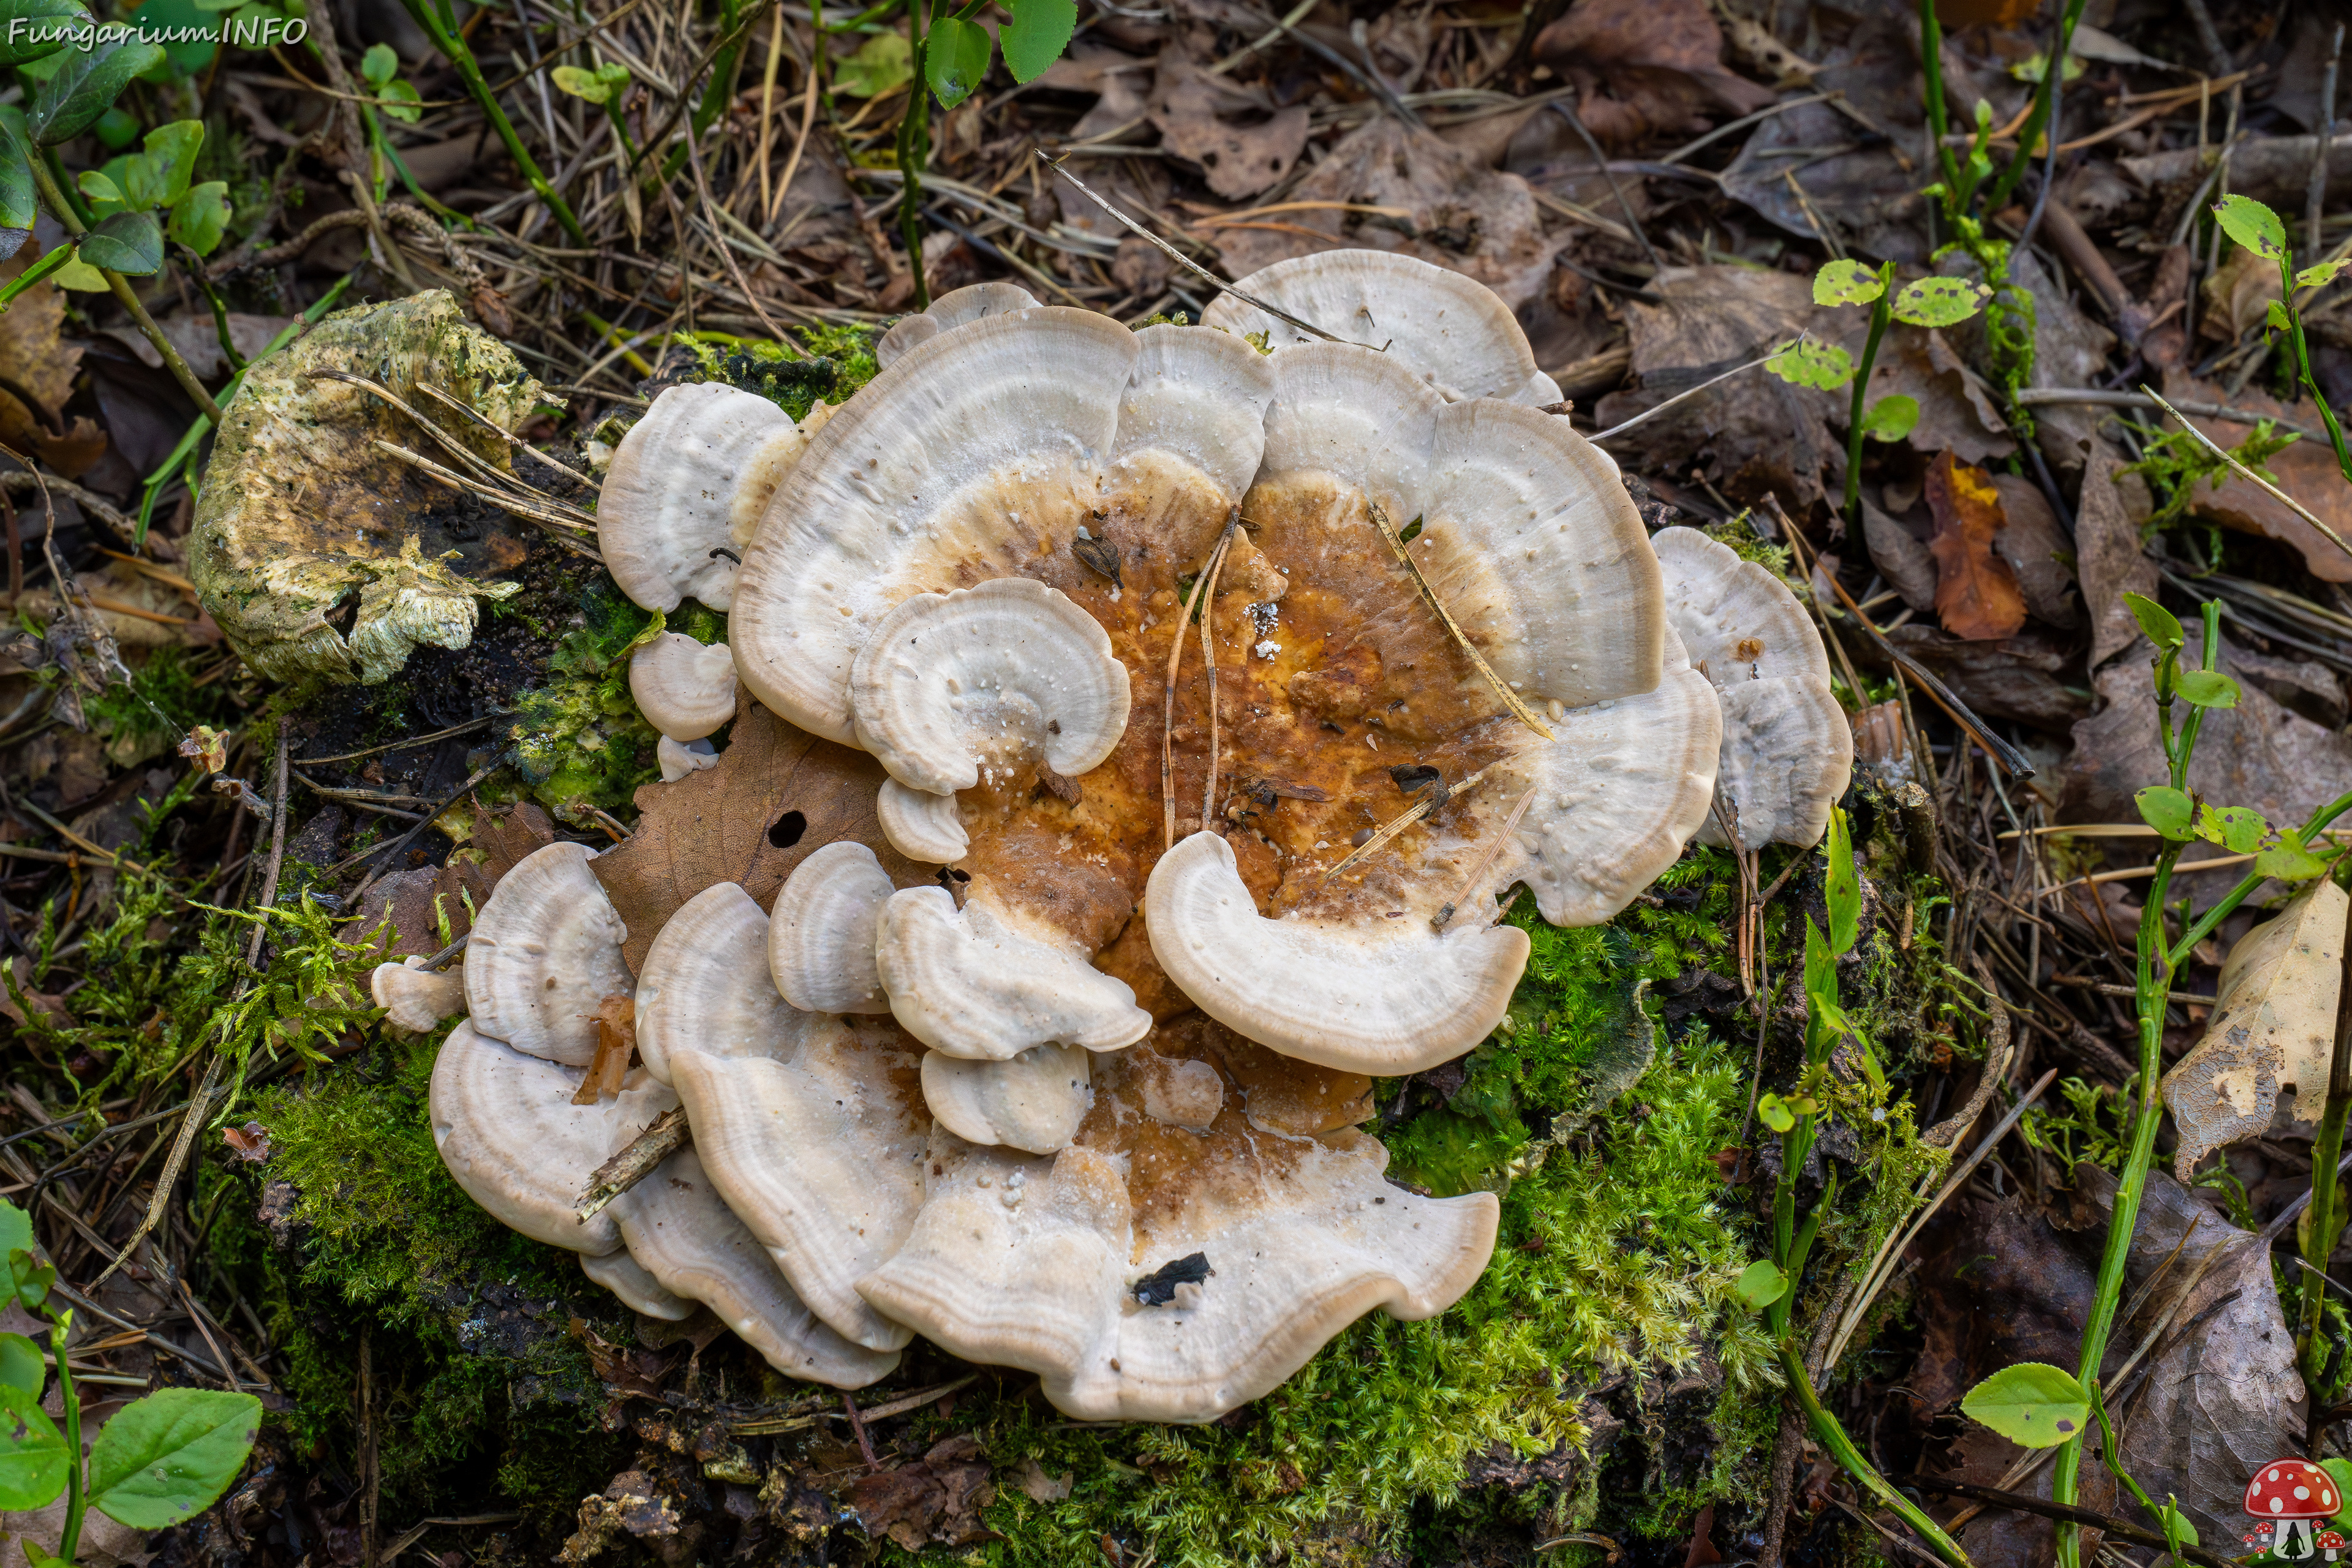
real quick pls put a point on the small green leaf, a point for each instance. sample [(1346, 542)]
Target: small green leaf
[(955, 59), (80, 275), (1808, 363), (2320, 275), (2166, 810), (378, 65), (116, 129), (171, 159), (2238, 828), (37, 1558), (2288, 861), (2252, 224), (201, 217), (1760, 1284), (1891, 418), (57, 262), (598, 86), (129, 243), (1939, 301), (31, 1453), (1040, 31), (1842, 888), (1771, 1111), (85, 86), (1848, 282), (21, 1365), (2162, 625), (2342, 1470), (2274, 316), (2033, 1404), (881, 63), (2170, 1516), (167, 1457), (104, 196), (48, 26), (401, 101), (2208, 689)]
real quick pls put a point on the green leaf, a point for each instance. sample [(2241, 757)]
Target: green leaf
[(1848, 282), (15, 1230), (1760, 1284), (31, 1279), (37, 1558), (2288, 861), (85, 86), (172, 158), (2238, 828), (598, 86), (2033, 1403), (2162, 625), (1939, 301), (116, 129), (80, 275), (400, 101), (2274, 316), (167, 1457), (881, 63), (2252, 224), (21, 1365), (1891, 418), (955, 59), (1808, 363), (378, 65), (2342, 1470), (2208, 689), (47, 25), (2166, 810), (2171, 1517), (128, 243), (1040, 31), (1774, 1113), (1842, 888), (18, 207), (201, 217), (31, 1453), (59, 261), (105, 197), (2320, 275)]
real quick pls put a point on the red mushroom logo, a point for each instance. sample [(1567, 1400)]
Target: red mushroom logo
[(2290, 1494), (2331, 1541)]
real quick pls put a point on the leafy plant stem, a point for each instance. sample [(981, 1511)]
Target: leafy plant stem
[(2325, 1219), (1882, 311), (2198, 932), (2043, 97), (455, 50), (1931, 61), (914, 155), (2303, 363), (76, 1503), (2166, 1519), (1842, 1448)]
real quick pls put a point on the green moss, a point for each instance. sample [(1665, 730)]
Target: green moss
[(146, 717), (579, 739)]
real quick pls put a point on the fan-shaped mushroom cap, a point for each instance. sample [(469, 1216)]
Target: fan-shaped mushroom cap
[(957, 308), (413, 997), (761, 1079), (679, 759), (1788, 749), (687, 1239), (919, 824), (987, 677), (1201, 396), (1455, 333), (689, 480), (1034, 1101), (1389, 998), (988, 982), (624, 1277), (507, 1131), (1034, 1263), (820, 932), (544, 954), (685, 690)]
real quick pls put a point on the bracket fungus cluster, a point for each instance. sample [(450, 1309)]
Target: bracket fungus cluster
[(1232, 682)]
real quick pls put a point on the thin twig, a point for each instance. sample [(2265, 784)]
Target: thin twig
[(1649, 414), (1209, 655), (1430, 800), (1168, 690)]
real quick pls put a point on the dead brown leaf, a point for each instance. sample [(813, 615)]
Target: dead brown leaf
[(616, 1041), (2107, 551), (2037, 551), (36, 376), (2237, 296), (1901, 557), (1645, 68), (1237, 136), (1955, 410), (2305, 471), (776, 796), (1977, 595), (249, 1142), (1038, 1486), (935, 1501)]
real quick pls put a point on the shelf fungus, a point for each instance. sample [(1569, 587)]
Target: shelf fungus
[(1234, 692), (685, 690)]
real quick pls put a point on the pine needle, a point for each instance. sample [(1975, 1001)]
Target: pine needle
[(1428, 596), (1430, 798)]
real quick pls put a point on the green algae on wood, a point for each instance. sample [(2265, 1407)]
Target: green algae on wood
[(304, 522)]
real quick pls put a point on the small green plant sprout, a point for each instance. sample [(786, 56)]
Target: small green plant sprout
[(160, 1461), (379, 68), (2037, 1406), (2259, 230), (157, 179), (1933, 301)]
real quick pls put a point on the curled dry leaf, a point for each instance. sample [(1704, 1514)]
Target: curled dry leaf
[(2265, 1054), (935, 1501), (1977, 595), (1243, 142), (616, 1041), (1644, 69)]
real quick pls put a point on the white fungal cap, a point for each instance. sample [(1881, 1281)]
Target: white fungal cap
[(688, 481), (686, 1238), (921, 826), (1033, 1102), (685, 690), (1034, 1263), (813, 1131), (544, 954), (624, 1277), (988, 676), (1383, 996), (820, 932), (414, 998), (1358, 414), (1787, 748), (988, 982), (507, 1131), (1453, 333), (957, 308), (1202, 396), (679, 758)]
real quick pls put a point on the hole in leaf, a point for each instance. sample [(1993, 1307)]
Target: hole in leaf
[(788, 830)]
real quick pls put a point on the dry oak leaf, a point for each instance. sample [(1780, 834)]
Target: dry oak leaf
[(2272, 1031), (1977, 595), (1645, 68), (934, 1501), (1243, 142), (2305, 471), (776, 796)]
